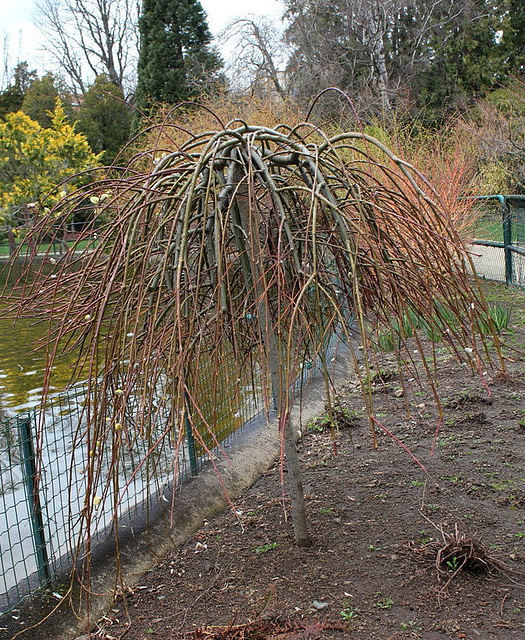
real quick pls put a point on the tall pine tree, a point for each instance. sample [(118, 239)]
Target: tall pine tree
[(514, 36), (176, 61)]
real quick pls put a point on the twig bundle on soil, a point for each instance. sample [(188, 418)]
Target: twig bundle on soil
[(462, 552), (264, 630)]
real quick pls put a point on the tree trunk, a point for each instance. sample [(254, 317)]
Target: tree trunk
[(293, 467), (273, 359), (374, 39), (12, 243), (295, 484)]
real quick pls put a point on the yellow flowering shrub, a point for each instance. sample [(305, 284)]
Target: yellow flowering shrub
[(35, 161)]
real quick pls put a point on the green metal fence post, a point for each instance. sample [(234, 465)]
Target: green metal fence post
[(190, 439), (33, 498), (507, 241)]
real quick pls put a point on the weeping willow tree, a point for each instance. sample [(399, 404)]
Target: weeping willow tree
[(250, 246)]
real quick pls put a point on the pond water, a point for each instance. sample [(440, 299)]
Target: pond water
[(21, 364)]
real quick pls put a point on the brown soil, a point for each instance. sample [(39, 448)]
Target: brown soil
[(399, 551)]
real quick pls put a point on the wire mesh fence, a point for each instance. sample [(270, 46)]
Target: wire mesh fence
[(45, 458), (498, 250), (43, 461), (17, 555)]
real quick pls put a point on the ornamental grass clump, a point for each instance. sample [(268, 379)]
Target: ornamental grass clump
[(245, 250)]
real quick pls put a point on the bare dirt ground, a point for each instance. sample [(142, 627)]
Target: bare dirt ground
[(399, 551)]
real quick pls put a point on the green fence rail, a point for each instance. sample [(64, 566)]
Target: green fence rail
[(498, 249), (82, 236)]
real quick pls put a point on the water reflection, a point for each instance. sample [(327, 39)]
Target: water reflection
[(21, 364)]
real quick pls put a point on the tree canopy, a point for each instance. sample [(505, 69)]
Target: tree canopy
[(176, 61), (247, 249), (104, 118), (12, 97), (40, 99), (88, 37), (416, 55)]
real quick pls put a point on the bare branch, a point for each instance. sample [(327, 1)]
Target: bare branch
[(89, 37), (260, 54)]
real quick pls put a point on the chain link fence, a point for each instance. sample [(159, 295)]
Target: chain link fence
[(498, 250)]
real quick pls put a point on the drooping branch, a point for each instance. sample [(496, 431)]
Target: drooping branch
[(248, 246)]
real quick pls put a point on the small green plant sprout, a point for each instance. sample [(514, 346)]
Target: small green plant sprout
[(322, 423), (351, 414), (520, 535), (503, 485), (348, 613), (438, 323), (317, 424), (386, 341), (373, 547), (453, 564), (417, 483), (411, 625), (443, 441), (326, 510), (424, 538), (383, 603), (338, 417), (521, 423), (454, 479), (264, 548), (389, 339)]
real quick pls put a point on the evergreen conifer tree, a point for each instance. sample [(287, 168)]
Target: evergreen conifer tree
[(514, 36), (176, 61), (40, 100), (105, 118)]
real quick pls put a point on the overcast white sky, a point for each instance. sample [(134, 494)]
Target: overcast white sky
[(16, 21)]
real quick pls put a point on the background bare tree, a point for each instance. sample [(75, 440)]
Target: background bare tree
[(377, 50), (348, 44), (260, 56), (5, 70), (496, 130), (88, 37)]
